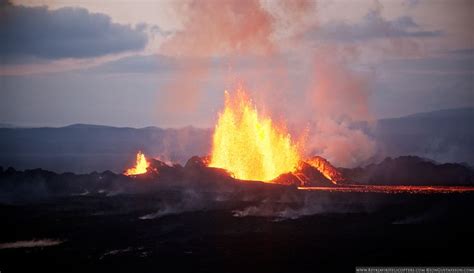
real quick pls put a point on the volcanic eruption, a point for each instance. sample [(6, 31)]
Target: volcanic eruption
[(141, 165), (249, 145)]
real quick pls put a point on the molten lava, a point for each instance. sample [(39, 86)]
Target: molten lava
[(251, 146), (141, 165), (324, 167)]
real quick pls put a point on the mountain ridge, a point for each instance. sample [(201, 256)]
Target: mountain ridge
[(443, 136)]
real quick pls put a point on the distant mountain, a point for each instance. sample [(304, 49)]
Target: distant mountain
[(444, 136), (6, 125), (462, 113), (91, 126), (83, 148)]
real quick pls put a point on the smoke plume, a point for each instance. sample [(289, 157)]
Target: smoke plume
[(229, 29), (338, 97), (326, 100)]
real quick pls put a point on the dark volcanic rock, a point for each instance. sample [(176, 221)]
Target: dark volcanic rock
[(197, 162), (313, 176), (305, 176), (38, 184), (197, 171), (411, 170), (288, 179)]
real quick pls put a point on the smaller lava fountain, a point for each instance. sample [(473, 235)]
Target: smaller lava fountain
[(141, 165)]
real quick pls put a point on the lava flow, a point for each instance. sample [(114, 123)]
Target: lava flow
[(326, 169), (141, 165), (250, 146)]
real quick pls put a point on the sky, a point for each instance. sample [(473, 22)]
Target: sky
[(167, 63)]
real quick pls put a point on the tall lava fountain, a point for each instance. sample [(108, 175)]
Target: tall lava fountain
[(249, 145)]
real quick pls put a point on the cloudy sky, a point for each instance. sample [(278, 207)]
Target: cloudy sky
[(167, 63)]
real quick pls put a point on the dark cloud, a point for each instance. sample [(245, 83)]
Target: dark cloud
[(63, 33), (372, 26)]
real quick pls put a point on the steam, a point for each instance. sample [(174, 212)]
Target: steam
[(31, 243), (190, 200), (290, 206), (212, 30), (338, 97), (324, 99), (230, 29)]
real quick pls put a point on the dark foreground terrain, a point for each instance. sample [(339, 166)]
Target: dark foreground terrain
[(253, 231)]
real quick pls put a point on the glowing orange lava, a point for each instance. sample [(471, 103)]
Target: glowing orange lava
[(392, 189), (324, 167), (141, 165), (249, 145)]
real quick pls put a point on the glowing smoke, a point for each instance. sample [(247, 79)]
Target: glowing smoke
[(325, 101)]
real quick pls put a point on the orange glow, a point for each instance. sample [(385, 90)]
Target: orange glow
[(141, 165), (392, 189), (324, 167), (249, 145)]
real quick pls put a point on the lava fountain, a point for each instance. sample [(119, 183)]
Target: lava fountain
[(141, 165), (250, 146)]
